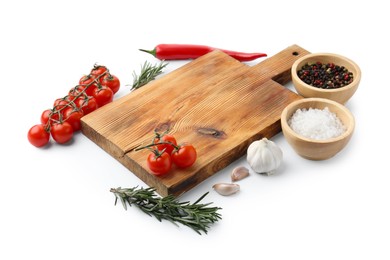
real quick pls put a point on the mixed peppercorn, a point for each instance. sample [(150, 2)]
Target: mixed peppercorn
[(326, 76)]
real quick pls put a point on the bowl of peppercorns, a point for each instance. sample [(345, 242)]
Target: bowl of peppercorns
[(326, 75)]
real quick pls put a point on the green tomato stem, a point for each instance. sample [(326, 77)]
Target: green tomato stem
[(154, 144)]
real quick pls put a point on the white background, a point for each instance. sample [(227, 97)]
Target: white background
[(55, 202)]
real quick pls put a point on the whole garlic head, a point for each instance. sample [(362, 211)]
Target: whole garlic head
[(264, 156)]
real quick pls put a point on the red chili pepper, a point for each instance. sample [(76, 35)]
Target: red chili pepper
[(190, 51)]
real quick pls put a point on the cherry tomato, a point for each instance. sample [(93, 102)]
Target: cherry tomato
[(74, 92), (60, 103), (49, 114), (46, 115), (185, 156), (103, 95), (38, 136), (169, 139), (87, 105), (86, 81), (159, 164), (98, 70), (73, 116), (62, 132), (110, 81)]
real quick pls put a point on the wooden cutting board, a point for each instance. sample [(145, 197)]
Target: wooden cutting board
[(215, 102)]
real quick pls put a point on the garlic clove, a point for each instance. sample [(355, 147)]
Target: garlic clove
[(239, 173), (226, 189)]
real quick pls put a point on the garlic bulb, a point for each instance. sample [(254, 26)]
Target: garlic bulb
[(264, 156), (239, 173), (226, 189)]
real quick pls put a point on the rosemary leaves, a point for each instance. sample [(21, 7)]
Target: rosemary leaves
[(148, 73), (196, 216)]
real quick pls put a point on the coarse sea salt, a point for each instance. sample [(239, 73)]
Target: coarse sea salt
[(318, 124)]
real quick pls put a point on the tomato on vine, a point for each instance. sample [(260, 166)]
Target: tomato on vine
[(75, 92), (185, 156), (103, 95), (98, 70), (166, 152), (61, 132), (38, 136), (47, 115), (64, 118), (159, 162), (87, 104), (167, 142), (87, 82), (73, 117), (110, 81), (60, 103)]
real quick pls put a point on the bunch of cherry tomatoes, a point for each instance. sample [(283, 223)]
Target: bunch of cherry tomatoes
[(165, 152), (60, 122)]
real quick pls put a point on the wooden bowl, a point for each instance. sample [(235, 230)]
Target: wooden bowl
[(317, 149), (342, 94)]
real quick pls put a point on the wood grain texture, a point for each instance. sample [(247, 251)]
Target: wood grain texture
[(214, 102)]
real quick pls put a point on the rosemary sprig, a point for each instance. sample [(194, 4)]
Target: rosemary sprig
[(148, 73), (196, 216)]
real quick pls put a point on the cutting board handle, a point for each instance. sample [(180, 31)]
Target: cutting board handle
[(278, 66)]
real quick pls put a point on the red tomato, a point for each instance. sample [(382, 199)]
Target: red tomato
[(159, 164), (86, 81), (45, 116), (60, 103), (49, 114), (73, 116), (169, 139), (87, 105), (110, 81), (98, 70), (103, 95), (62, 132), (185, 156), (76, 91), (38, 136)]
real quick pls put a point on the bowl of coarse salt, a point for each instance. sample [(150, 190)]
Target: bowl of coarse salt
[(317, 128)]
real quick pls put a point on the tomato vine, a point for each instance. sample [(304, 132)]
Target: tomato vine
[(61, 121), (165, 152)]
